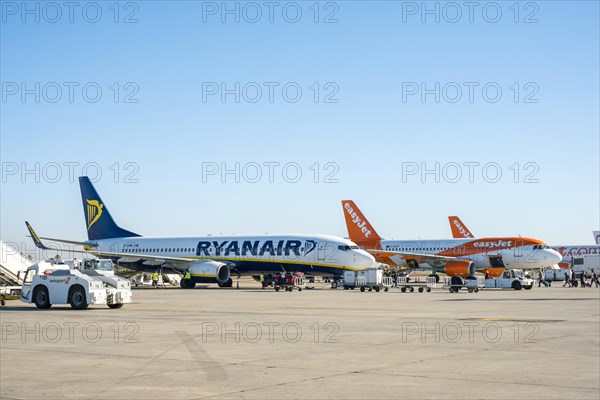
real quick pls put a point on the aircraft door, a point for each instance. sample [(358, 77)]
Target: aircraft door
[(518, 250), (321, 247), (496, 261)]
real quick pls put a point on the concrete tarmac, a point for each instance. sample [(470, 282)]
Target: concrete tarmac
[(317, 344)]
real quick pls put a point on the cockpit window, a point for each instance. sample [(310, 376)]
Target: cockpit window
[(347, 248)]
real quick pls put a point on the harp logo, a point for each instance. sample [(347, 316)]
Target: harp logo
[(94, 211)]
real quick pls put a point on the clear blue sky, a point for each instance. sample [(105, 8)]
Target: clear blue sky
[(372, 57)]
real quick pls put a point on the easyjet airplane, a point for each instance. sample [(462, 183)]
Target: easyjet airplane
[(455, 257), (212, 259), (459, 230)]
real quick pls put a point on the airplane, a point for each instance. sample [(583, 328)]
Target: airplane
[(455, 257), (459, 230), (212, 259)]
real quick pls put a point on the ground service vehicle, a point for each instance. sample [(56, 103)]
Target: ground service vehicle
[(370, 279), (49, 283), (404, 284), (510, 279)]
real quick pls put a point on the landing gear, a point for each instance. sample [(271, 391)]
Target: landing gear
[(187, 284), (228, 283)]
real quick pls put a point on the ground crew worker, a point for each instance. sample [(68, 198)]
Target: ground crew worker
[(187, 275), (155, 279), (262, 280)]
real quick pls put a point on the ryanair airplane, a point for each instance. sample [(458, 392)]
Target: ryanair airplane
[(213, 259)]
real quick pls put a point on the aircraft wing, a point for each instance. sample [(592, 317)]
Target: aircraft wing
[(428, 258), (179, 262), (38, 242)]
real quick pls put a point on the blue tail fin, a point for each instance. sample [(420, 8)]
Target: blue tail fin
[(98, 221)]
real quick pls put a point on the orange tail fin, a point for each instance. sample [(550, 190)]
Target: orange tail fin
[(360, 230), (459, 230)]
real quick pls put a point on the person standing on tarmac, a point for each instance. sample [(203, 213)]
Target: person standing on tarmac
[(540, 278), (262, 281), (567, 280), (155, 279), (582, 279), (594, 279)]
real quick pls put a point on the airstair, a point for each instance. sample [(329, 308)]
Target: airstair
[(11, 262)]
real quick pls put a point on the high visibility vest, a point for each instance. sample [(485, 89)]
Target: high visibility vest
[(155, 276), (187, 275)]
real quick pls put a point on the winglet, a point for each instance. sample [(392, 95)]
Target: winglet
[(360, 230), (36, 240), (597, 237), (459, 230)]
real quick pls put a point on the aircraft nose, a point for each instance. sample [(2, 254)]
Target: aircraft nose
[(365, 259), (554, 256)]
